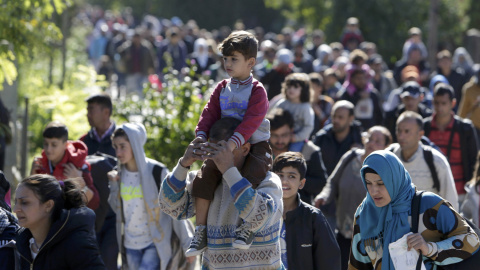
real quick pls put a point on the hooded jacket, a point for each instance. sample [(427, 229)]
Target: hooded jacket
[(76, 154), (70, 244), (8, 228), (164, 230)]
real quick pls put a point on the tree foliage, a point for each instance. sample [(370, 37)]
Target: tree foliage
[(169, 116), (311, 13), (25, 30)]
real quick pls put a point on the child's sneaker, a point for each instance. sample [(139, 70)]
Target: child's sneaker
[(244, 237), (199, 242)]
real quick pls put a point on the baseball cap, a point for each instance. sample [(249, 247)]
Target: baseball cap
[(410, 71), (411, 89)]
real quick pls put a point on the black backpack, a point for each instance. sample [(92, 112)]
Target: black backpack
[(469, 263), (100, 165)]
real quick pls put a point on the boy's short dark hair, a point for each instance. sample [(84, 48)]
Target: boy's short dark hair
[(298, 80), (444, 89), (279, 117), (240, 41), (224, 128), (56, 130), (290, 159), (102, 99)]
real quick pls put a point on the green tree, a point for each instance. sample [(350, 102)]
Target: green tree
[(209, 14), (169, 116), (26, 30), (473, 12), (312, 13)]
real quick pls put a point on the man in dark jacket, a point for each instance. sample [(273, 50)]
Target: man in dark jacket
[(281, 132), (98, 139), (411, 96), (340, 136), (99, 111), (307, 241), (455, 136), (335, 140), (456, 76)]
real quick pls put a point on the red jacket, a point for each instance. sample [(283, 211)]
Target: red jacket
[(76, 154)]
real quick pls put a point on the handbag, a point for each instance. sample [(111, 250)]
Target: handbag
[(470, 263)]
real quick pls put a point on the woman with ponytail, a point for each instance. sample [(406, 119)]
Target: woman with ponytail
[(58, 230)]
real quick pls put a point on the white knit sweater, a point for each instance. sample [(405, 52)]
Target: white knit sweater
[(233, 201)]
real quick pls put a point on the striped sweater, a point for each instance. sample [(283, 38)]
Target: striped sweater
[(234, 200), (244, 100)]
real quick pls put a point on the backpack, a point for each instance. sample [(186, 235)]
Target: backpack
[(471, 262), (428, 156), (100, 165)]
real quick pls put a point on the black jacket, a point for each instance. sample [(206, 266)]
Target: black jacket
[(391, 117), (70, 244), (310, 241), (468, 142), (105, 146), (316, 174), (332, 150), (8, 229)]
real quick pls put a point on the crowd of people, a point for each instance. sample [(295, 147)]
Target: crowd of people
[(313, 155)]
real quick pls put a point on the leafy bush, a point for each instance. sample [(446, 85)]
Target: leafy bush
[(170, 116)]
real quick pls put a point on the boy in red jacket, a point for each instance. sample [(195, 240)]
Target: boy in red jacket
[(66, 159)]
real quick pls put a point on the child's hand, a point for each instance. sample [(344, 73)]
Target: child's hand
[(70, 171), (113, 176), (193, 152), (36, 165)]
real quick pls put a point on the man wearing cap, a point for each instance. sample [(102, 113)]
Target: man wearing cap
[(409, 73), (411, 97), (382, 81)]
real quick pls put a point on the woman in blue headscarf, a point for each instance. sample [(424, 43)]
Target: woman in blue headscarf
[(383, 218)]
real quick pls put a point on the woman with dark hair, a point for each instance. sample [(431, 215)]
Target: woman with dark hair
[(384, 216), (58, 229)]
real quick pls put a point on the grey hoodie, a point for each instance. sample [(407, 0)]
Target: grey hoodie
[(161, 226)]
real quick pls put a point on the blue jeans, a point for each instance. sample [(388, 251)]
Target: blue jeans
[(143, 259)]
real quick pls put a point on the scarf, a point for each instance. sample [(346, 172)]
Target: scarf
[(388, 223)]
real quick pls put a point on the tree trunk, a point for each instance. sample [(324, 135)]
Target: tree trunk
[(432, 33)]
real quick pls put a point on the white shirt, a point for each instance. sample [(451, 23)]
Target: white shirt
[(137, 235), (421, 176)]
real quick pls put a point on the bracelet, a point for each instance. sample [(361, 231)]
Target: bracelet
[(180, 163)]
